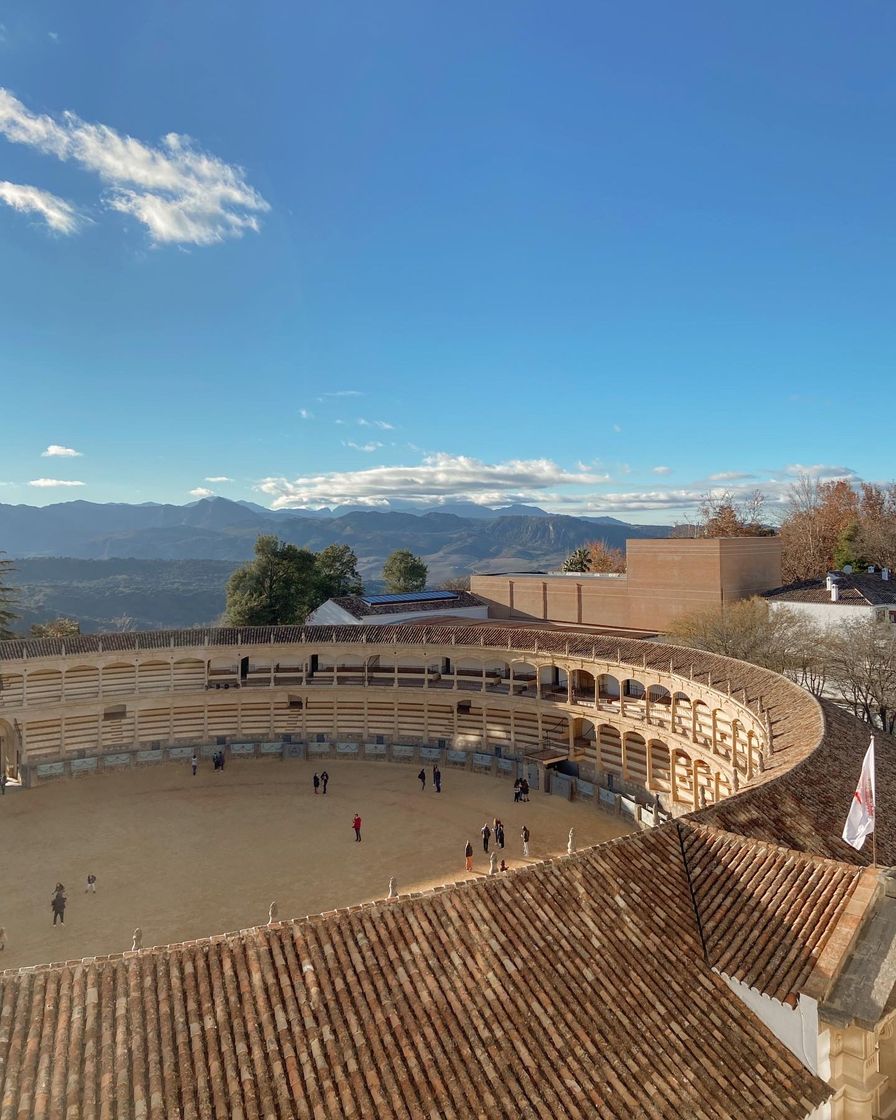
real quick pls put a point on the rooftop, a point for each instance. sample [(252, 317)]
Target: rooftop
[(366, 606), (856, 589)]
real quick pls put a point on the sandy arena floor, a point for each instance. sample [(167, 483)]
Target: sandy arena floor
[(184, 857)]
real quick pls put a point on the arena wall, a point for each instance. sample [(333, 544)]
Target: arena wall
[(637, 717)]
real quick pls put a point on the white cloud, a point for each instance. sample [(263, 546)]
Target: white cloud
[(438, 478), (305, 414), (616, 428), (44, 483), (182, 194), (54, 35), (383, 425), (821, 471), (661, 470), (202, 492), (218, 478), (373, 445), (59, 215), (56, 450), (341, 393), (730, 476)]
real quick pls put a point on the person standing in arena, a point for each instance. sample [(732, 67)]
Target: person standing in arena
[(468, 854), (356, 825)]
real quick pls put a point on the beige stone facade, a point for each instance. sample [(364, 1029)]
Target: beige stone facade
[(664, 579)]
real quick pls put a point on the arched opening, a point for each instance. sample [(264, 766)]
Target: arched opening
[(585, 740), (43, 686), (583, 686), (497, 676), (553, 682), (608, 691), (659, 780), (659, 702), (82, 682), (119, 679), (702, 717), (523, 678), (469, 673), (681, 709), (631, 697), (9, 751), (634, 758), (704, 785), (682, 777), (610, 746)]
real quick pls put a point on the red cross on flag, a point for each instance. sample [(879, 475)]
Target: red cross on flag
[(860, 822)]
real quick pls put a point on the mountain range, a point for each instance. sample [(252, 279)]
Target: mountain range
[(187, 552)]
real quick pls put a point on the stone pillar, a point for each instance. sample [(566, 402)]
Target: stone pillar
[(849, 1064), (673, 784), (570, 690), (647, 705)]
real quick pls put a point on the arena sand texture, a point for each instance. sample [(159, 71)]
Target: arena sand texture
[(185, 857)]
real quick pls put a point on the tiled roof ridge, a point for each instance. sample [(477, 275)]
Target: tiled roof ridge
[(480, 882), (691, 823)]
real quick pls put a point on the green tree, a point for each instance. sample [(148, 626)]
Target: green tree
[(403, 571), (7, 599), (277, 588), (579, 560), (56, 628), (337, 573)]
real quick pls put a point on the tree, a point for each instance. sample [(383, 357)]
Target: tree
[(403, 571), (578, 560), (455, 583), (56, 628), (783, 640), (724, 516), (337, 573), (7, 599), (602, 558), (817, 524), (863, 668), (278, 588)]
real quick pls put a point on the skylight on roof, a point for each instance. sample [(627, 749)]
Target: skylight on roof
[(410, 597)]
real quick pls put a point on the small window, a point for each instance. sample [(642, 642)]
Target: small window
[(221, 740), (119, 711), (893, 617), (380, 740), (321, 738), (441, 744)]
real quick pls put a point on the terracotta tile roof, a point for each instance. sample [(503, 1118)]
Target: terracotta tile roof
[(805, 806), (574, 988), (857, 589), (766, 913)]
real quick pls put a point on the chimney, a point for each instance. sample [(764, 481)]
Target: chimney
[(835, 592), (885, 573), (847, 569), (870, 569), (829, 581)]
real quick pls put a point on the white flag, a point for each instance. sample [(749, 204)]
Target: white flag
[(860, 822)]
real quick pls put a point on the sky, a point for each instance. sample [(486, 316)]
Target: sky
[(598, 257)]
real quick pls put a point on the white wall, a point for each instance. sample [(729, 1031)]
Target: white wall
[(796, 1027), (826, 614), (330, 614)]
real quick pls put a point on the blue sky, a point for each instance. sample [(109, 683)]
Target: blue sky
[(599, 257)]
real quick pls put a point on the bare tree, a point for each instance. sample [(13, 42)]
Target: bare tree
[(863, 669)]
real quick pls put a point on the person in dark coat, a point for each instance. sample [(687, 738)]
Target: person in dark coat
[(316, 781), (499, 834), (57, 903), (437, 778), (324, 778), (422, 777), (468, 855), (3, 781), (486, 834)]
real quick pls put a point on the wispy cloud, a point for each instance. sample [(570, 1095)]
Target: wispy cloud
[(373, 445), (306, 414), (218, 478), (202, 492), (617, 428), (180, 193), (383, 425), (58, 215), (57, 451), (341, 393), (54, 35), (730, 476), (440, 477), (661, 470), (46, 483), (822, 471)]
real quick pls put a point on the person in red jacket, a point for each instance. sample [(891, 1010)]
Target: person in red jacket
[(356, 825)]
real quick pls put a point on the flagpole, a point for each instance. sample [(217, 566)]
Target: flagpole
[(876, 817)]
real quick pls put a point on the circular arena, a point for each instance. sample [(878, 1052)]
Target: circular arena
[(713, 948)]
